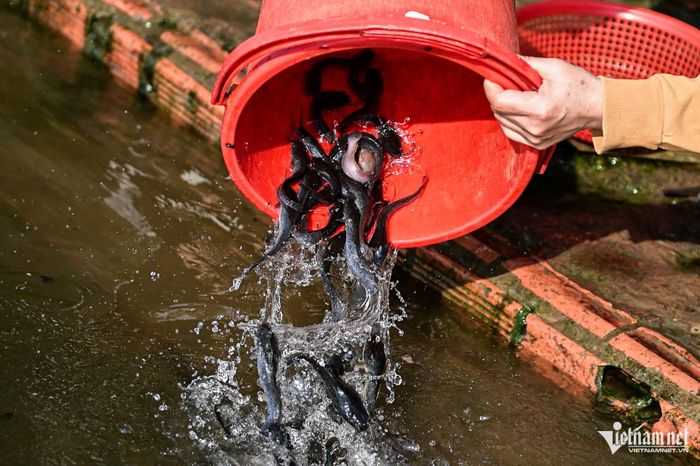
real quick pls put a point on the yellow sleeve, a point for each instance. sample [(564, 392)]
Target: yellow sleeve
[(659, 112)]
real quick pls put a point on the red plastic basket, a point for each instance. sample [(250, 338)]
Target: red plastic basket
[(608, 39)]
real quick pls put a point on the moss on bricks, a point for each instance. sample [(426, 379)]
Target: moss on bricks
[(98, 36), (147, 65), (519, 326), (192, 104), (619, 391)]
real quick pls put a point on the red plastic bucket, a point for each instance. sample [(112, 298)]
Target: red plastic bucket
[(433, 57)]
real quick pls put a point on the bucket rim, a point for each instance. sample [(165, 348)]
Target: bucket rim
[(465, 44)]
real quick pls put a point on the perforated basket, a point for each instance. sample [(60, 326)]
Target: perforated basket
[(611, 40)]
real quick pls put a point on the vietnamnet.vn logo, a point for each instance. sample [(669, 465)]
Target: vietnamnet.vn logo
[(638, 441)]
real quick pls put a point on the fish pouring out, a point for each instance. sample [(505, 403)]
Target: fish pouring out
[(337, 167)]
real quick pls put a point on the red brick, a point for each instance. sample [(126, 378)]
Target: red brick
[(197, 47), (124, 60), (67, 17), (137, 9)]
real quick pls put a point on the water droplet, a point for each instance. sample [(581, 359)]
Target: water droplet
[(236, 284)]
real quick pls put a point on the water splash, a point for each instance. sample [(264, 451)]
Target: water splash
[(227, 413)]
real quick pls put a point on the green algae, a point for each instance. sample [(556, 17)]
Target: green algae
[(623, 393), (520, 326), (98, 36), (192, 104), (147, 65), (626, 179), (474, 303)]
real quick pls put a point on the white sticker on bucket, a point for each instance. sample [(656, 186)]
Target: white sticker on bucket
[(417, 15)]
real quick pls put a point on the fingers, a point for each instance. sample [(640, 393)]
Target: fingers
[(518, 137), (494, 94), (532, 126), (492, 91), (516, 132), (513, 134), (569, 99), (545, 67), (509, 101)]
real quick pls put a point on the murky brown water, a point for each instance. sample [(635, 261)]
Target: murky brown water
[(120, 234)]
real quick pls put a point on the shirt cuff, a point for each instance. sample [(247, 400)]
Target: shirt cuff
[(632, 114)]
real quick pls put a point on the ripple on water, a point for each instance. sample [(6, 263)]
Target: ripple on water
[(201, 210), (199, 311), (35, 290), (123, 199)]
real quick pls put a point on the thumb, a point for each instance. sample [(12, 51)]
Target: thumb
[(492, 90), (544, 66), (508, 101)]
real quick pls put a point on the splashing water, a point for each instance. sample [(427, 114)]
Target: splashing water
[(227, 414), (316, 372)]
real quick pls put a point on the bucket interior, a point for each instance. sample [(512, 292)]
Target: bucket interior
[(474, 172)]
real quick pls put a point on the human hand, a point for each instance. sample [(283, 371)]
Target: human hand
[(570, 99)]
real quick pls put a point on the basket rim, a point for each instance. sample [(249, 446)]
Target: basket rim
[(636, 14)]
